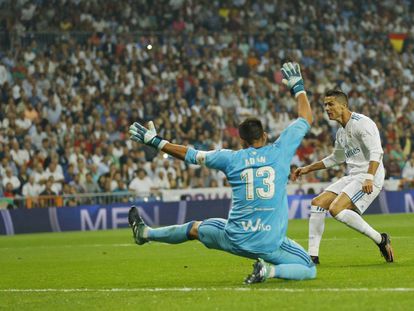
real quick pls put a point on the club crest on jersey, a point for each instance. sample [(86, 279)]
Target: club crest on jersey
[(258, 226)]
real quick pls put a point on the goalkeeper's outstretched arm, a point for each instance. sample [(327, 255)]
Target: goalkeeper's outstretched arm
[(148, 136), (292, 78), (217, 159), (177, 151)]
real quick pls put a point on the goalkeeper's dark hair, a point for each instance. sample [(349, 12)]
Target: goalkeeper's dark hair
[(251, 130), (338, 94)]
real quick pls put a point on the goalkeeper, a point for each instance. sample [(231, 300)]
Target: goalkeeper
[(258, 174)]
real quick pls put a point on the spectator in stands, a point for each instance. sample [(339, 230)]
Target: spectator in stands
[(90, 185), (31, 188), (141, 185), (4, 75), (20, 156), (392, 169), (69, 173), (11, 179), (58, 177), (397, 154), (8, 191), (407, 181), (48, 195), (38, 174), (77, 184), (161, 180)]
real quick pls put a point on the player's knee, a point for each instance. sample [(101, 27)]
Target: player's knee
[(193, 234), (315, 201), (334, 209), (319, 201)]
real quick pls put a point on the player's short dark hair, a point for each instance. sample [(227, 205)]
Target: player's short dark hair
[(250, 130), (338, 94)]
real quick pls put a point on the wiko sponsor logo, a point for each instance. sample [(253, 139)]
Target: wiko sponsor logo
[(259, 226)]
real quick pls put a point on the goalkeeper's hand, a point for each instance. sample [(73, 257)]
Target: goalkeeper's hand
[(147, 136), (292, 78)]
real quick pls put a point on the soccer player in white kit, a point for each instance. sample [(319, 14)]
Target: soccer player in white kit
[(357, 144)]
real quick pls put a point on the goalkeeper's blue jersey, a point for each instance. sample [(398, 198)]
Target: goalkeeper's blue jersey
[(258, 218)]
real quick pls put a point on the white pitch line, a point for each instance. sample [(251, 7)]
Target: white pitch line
[(162, 244), (132, 244), (70, 246), (203, 289)]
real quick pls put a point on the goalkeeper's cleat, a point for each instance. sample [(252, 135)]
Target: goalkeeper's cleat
[(260, 272), (385, 248), (315, 259), (138, 226)]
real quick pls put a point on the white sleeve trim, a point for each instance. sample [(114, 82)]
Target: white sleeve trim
[(201, 157), (329, 161)]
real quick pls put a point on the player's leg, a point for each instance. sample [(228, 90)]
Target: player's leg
[(342, 209), (290, 262), (347, 208), (319, 206), (170, 234), (211, 233)]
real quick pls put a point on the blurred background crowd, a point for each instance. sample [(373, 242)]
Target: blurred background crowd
[(74, 74)]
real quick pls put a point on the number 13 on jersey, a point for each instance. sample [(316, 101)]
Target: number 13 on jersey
[(267, 173)]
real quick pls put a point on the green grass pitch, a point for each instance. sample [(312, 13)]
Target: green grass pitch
[(104, 270)]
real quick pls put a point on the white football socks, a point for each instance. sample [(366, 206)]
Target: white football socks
[(355, 221), (316, 228)]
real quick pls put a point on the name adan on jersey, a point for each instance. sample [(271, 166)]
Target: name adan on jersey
[(259, 226)]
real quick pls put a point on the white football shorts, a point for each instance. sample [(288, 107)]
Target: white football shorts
[(351, 185)]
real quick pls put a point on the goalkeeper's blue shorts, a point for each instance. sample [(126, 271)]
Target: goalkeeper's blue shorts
[(211, 233)]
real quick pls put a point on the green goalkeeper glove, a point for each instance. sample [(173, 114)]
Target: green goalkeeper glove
[(292, 78), (147, 136)]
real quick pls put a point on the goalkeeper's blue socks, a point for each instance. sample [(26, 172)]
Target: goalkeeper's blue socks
[(288, 271), (170, 234)]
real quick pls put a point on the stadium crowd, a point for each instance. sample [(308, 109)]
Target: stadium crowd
[(196, 68)]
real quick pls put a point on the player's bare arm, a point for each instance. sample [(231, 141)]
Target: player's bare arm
[(148, 136), (369, 138), (368, 184), (177, 151), (307, 169)]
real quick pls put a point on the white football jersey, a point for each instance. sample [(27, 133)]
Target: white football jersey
[(357, 144)]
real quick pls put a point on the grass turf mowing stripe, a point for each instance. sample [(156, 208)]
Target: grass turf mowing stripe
[(205, 289)]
